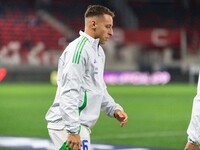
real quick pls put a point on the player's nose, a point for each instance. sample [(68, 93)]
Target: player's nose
[(110, 33)]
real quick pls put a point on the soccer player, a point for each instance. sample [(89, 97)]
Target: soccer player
[(81, 92), (194, 126)]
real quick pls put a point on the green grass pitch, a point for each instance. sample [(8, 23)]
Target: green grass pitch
[(158, 115)]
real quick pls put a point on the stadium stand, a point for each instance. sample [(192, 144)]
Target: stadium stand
[(40, 41), (19, 22)]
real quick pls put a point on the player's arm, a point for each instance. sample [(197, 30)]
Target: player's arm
[(71, 88), (70, 91), (69, 102), (112, 109)]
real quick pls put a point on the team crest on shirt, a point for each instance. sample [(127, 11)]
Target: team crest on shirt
[(95, 67), (95, 70)]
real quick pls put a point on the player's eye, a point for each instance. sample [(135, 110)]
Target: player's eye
[(108, 26)]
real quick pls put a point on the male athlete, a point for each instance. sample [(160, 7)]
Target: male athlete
[(194, 126), (81, 92)]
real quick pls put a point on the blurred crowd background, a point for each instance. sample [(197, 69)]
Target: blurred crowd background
[(149, 36)]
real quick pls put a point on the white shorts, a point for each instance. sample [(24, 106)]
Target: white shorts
[(58, 137)]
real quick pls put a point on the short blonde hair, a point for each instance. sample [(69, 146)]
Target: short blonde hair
[(97, 10)]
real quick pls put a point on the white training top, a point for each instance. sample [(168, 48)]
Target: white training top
[(194, 126), (81, 91)]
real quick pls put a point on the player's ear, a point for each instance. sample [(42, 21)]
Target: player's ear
[(93, 25)]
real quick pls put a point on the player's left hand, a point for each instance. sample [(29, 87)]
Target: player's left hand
[(121, 116), (190, 146)]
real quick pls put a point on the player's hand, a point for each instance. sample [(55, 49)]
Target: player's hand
[(190, 146), (121, 116), (74, 141)]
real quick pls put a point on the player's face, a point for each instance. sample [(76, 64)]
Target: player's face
[(104, 29)]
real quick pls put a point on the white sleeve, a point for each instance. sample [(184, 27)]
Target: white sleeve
[(72, 79), (193, 130), (108, 105)]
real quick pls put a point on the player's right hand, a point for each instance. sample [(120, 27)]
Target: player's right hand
[(190, 146), (74, 142)]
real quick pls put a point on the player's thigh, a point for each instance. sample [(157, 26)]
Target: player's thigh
[(85, 138), (58, 137)]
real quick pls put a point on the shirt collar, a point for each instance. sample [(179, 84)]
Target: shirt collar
[(94, 42)]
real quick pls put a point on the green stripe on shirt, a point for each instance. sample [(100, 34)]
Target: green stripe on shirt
[(84, 103), (77, 47), (78, 50)]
